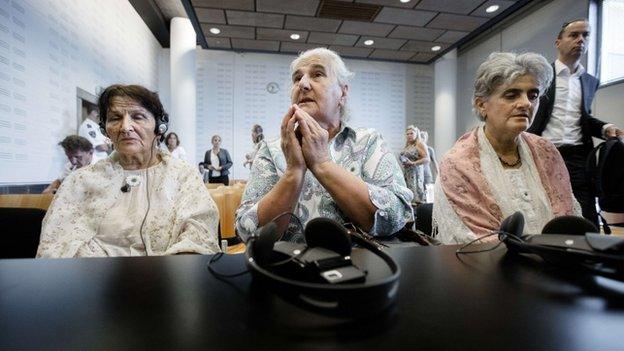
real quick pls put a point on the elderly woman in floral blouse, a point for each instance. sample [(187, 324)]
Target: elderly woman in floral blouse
[(320, 166), (139, 201)]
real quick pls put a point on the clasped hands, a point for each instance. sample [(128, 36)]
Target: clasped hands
[(306, 146)]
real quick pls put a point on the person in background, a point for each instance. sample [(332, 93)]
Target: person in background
[(497, 168), (414, 158), (257, 135), (431, 168), (324, 167), (79, 152), (217, 163), (139, 201), (90, 129), (564, 115), (172, 142)]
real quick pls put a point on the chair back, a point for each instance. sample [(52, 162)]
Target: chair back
[(423, 218), (21, 228), (233, 196), (40, 201)]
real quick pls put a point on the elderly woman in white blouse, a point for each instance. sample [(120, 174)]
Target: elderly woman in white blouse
[(139, 201), (497, 168)]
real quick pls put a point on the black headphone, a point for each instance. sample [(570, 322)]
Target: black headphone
[(570, 241), (321, 275), (162, 125)]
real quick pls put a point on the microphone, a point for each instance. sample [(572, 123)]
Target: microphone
[(129, 182), (570, 225)]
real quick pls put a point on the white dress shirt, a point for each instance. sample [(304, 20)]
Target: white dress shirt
[(91, 130), (564, 126)]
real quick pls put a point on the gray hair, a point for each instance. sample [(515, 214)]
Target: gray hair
[(335, 66), (504, 68)]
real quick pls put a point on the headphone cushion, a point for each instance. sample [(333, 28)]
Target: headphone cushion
[(513, 224), (263, 244), (328, 234)]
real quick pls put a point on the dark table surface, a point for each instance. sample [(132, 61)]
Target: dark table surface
[(483, 301)]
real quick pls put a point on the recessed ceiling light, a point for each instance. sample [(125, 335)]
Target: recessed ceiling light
[(404, 1), (295, 36), (436, 48), (492, 8), (215, 30), (369, 42)]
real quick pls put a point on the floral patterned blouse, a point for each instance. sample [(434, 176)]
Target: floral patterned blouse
[(360, 151), (91, 216)]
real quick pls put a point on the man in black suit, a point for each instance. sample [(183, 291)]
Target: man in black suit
[(564, 114)]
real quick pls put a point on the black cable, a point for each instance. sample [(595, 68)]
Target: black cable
[(501, 237), (148, 196), (216, 257)]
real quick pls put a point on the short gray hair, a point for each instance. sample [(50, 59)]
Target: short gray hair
[(335, 66), (504, 68)]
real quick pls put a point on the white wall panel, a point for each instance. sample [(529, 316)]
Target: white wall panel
[(237, 90), (48, 48)]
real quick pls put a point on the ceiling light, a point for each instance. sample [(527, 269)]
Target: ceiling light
[(404, 1), (369, 42), (215, 30), (295, 36), (492, 8), (436, 48)]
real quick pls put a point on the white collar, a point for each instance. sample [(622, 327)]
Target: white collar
[(560, 68)]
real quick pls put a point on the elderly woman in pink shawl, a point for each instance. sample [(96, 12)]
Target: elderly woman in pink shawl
[(497, 168)]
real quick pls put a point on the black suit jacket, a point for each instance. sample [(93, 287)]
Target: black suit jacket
[(590, 126), (224, 160)]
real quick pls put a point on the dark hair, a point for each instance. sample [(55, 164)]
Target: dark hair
[(566, 24), (169, 136), (146, 98), (76, 143), (259, 133), (91, 108)]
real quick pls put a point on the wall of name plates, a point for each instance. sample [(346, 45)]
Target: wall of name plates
[(49, 49)]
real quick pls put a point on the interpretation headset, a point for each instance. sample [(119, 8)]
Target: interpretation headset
[(570, 241), (161, 127), (321, 275)]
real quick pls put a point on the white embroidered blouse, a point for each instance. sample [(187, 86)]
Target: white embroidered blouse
[(91, 217), (517, 189)]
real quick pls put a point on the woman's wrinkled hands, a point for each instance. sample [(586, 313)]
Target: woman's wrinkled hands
[(314, 139), (291, 147)]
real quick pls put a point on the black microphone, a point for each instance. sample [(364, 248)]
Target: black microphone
[(513, 224), (570, 225), (125, 188)]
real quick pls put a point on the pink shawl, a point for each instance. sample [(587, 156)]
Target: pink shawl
[(468, 191)]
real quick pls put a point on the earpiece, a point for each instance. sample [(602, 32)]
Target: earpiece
[(570, 225), (513, 224), (327, 233)]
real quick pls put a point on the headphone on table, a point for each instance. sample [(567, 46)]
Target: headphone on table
[(570, 241), (321, 275)]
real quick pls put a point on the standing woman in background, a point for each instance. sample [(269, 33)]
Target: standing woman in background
[(413, 157), (431, 169), (173, 145), (256, 137), (218, 162)]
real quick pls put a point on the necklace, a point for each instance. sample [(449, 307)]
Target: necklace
[(518, 162)]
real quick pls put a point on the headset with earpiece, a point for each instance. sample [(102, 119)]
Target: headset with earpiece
[(321, 275), (162, 125), (571, 241)]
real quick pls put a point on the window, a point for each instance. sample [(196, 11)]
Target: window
[(611, 43)]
